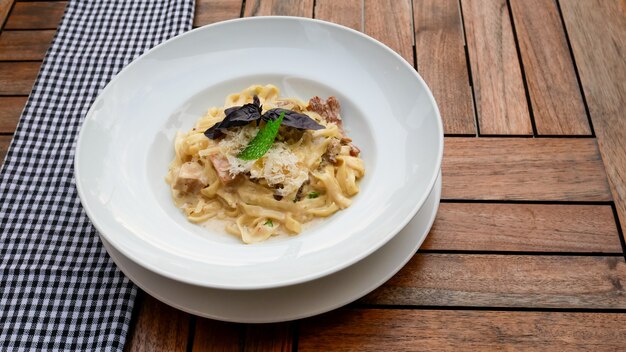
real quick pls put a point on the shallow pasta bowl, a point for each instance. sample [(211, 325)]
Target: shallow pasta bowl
[(126, 144)]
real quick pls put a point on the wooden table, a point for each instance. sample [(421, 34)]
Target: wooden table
[(527, 251)]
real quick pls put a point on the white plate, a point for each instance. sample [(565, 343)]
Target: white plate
[(291, 302), (126, 144)]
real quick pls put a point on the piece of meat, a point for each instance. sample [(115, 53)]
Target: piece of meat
[(328, 109), (191, 178), (222, 166), (300, 191), (354, 150), (334, 148)]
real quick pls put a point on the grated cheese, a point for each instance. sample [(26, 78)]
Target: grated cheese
[(279, 166)]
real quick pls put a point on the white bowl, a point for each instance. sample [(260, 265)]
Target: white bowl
[(126, 144)]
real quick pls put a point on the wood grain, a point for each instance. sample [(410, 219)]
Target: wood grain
[(212, 335), (301, 8), (389, 21), (472, 280), (441, 62), (158, 328), (347, 13), (496, 73), (17, 78), (269, 337), (597, 31), (5, 8), (10, 111), (524, 227), (36, 15), (543, 169), (555, 96), (211, 11), (5, 141), (555, 169), (25, 45), (458, 330)]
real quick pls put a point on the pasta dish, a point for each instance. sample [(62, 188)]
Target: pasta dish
[(264, 164)]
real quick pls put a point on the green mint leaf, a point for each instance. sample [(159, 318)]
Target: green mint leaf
[(313, 195), (263, 140)]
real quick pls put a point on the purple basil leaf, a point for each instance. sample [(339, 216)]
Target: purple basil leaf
[(216, 130), (246, 113), (293, 119), (236, 116), (213, 132), (242, 115)]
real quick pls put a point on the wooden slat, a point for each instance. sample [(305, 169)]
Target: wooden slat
[(158, 328), (269, 337), (496, 74), (555, 97), (17, 78), (524, 227), (347, 13), (457, 330), (597, 31), (36, 15), (10, 110), (5, 8), (211, 11), (441, 61), (5, 141), (212, 335), (301, 8), (25, 45), (560, 169), (472, 280), (389, 21)]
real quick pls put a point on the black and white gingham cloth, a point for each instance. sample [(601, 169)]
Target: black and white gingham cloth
[(59, 290)]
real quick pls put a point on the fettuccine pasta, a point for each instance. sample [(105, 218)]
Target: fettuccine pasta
[(306, 174)]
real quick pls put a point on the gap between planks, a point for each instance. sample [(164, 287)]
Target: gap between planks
[(597, 34), (5, 8), (158, 327), (441, 54), (391, 330), (553, 90), (498, 86), (516, 281)]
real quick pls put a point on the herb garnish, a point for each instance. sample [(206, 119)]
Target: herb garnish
[(242, 115), (269, 223), (313, 195), (263, 140)]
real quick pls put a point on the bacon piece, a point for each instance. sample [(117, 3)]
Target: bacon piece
[(334, 147), (354, 150), (329, 111), (222, 166)]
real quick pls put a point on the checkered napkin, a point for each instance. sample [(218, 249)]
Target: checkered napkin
[(59, 290)]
